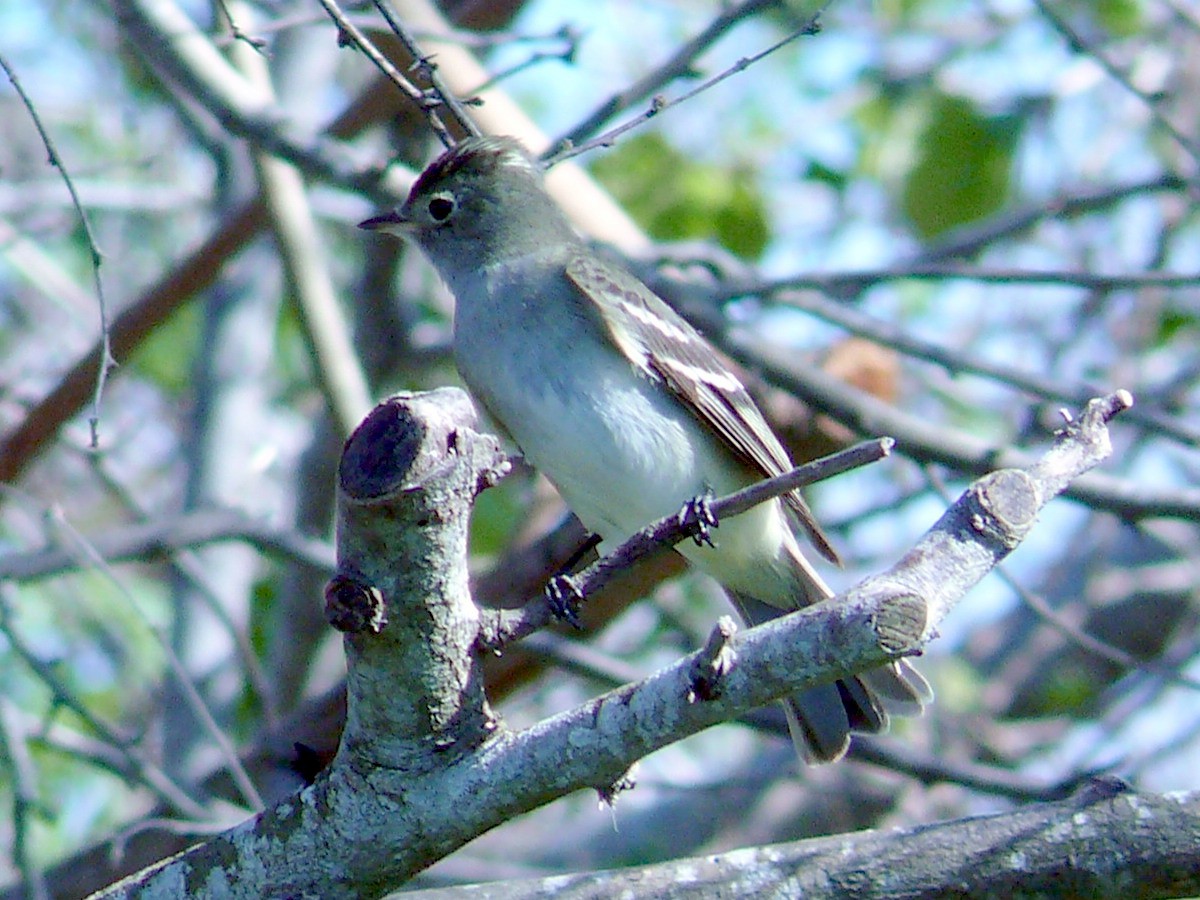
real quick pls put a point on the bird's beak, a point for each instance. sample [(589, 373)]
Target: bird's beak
[(393, 222)]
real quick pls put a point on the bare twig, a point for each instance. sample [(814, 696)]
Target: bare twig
[(567, 54), (1077, 42), (930, 768), (165, 535), (177, 50), (1069, 630), (105, 361), (349, 32), (863, 325), (680, 65), (146, 772), (923, 440), (844, 283), (429, 70), (192, 273), (967, 240), (659, 104), (22, 779), (191, 695)]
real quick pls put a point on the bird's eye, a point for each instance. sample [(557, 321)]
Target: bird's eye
[(440, 208)]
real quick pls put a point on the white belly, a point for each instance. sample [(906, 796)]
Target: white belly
[(620, 453)]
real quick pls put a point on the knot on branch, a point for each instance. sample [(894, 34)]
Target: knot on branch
[(354, 607), (409, 439)]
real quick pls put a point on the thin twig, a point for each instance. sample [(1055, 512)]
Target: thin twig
[(23, 784), (968, 240), (566, 150), (680, 65), (921, 439), (672, 529), (1080, 44), (153, 538), (429, 70), (183, 57), (931, 769), (106, 361), (146, 772), (536, 57), (348, 31), (1069, 630), (881, 332), (841, 283), (235, 31), (187, 565), (191, 694)]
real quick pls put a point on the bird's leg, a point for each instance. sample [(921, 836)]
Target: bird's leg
[(562, 592), (590, 543), (698, 517)]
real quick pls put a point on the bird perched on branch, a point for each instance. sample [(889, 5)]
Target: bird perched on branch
[(622, 404)]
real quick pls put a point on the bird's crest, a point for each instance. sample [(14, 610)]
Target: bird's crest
[(482, 155)]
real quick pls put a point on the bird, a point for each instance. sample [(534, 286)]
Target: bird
[(624, 406)]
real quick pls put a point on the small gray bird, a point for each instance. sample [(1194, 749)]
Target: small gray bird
[(622, 404)]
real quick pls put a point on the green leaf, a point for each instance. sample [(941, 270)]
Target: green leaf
[(1120, 18), (675, 198), (1170, 323), (962, 166), (837, 179)]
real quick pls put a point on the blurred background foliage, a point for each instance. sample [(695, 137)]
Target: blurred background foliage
[(978, 213)]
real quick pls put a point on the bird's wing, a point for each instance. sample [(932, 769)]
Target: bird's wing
[(666, 348)]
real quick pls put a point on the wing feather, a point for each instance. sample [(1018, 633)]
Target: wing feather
[(666, 348)]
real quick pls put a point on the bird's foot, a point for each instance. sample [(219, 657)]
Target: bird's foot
[(565, 599), (698, 517)]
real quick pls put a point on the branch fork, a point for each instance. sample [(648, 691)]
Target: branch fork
[(424, 767)]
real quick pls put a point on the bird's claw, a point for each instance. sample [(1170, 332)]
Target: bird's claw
[(565, 599), (698, 517)]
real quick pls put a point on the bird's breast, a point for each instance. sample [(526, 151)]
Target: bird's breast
[(618, 447)]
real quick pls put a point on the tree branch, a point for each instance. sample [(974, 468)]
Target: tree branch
[(1104, 842), (423, 769)]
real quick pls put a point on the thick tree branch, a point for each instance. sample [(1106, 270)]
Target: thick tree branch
[(423, 769), (1104, 842)]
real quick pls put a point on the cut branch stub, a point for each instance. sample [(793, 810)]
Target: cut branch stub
[(408, 477)]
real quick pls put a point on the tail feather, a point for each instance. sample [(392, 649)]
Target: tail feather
[(818, 723), (902, 688)]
